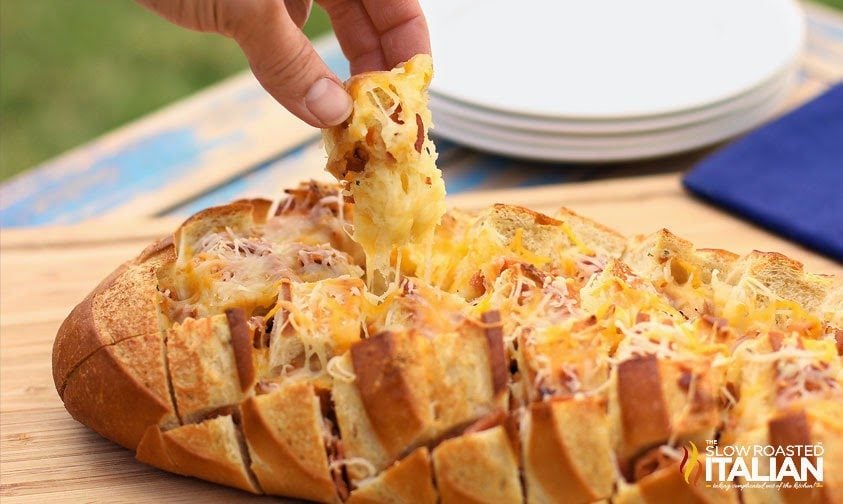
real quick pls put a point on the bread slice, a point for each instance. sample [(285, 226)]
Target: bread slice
[(768, 288), (831, 309), (810, 423), (408, 481), (817, 423), (315, 213), (122, 389), (652, 402), (240, 216), (676, 269), (617, 294), (775, 371), (385, 410), (567, 453), (475, 468), (666, 485), (211, 364), (412, 304), (285, 434), (315, 322), (563, 360), (122, 306), (471, 378), (601, 239), (512, 233), (211, 450), (384, 155)]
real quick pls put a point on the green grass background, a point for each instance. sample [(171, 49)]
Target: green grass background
[(73, 69)]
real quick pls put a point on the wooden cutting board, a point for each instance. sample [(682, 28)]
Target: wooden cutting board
[(46, 456)]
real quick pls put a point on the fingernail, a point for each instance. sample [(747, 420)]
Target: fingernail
[(328, 101)]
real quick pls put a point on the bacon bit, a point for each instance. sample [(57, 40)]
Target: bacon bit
[(260, 336), (356, 160), (304, 197), (339, 473), (812, 386), (642, 317), (396, 116), (776, 340), (428, 181), (838, 337), (335, 452), (420, 134), (527, 269), (701, 401), (584, 324), (684, 380), (371, 135), (533, 272), (651, 461), (478, 282)]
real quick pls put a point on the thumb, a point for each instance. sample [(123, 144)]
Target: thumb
[(288, 67)]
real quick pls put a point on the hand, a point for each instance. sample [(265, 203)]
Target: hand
[(373, 34)]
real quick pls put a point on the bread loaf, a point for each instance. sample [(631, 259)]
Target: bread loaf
[(501, 356)]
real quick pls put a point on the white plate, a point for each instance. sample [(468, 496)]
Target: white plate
[(534, 135), (585, 59), (443, 107), (625, 147)]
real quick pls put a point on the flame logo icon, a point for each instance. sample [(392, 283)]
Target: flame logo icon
[(690, 460)]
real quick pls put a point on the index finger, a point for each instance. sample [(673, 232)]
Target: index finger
[(402, 28)]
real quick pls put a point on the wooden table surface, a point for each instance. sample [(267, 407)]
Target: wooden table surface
[(135, 184)]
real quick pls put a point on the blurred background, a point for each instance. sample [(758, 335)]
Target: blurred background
[(71, 70)]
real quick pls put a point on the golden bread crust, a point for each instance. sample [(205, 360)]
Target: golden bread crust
[(121, 390), (122, 306), (283, 430), (210, 450), (408, 481), (477, 468)]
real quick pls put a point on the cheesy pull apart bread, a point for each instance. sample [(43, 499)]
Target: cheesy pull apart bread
[(511, 356), (384, 158)]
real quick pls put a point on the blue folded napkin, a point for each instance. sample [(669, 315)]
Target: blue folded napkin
[(786, 176)]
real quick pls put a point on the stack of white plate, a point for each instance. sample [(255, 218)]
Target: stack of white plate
[(607, 80)]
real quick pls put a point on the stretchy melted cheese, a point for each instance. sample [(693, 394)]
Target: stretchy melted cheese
[(387, 162)]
